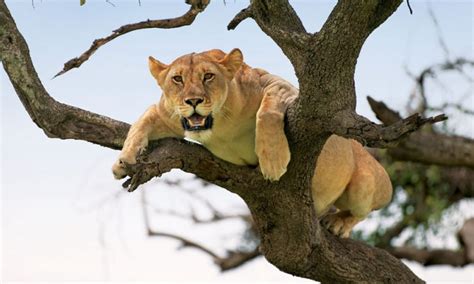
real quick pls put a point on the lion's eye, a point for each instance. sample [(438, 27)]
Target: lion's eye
[(208, 76), (177, 79)]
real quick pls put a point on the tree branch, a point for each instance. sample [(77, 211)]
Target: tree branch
[(242, 15), (427, 147), (235, 259), (167, 154), (461, 257), (231, 260), (351, 125), (432, 72), (352, 22), (56, 119), (430, 257), (278, 20), (197, 6)]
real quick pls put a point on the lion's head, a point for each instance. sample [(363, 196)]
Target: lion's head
[(195, 86)]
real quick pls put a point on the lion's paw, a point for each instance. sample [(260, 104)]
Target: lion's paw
[(119, 169), (340, 224), (273, 163)]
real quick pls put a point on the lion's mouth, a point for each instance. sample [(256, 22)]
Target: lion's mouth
[(196, 122)]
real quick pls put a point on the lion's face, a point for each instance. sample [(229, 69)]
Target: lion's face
[(195, 86)]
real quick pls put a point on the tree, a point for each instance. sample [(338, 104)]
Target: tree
[(282, 211), (428, 198)]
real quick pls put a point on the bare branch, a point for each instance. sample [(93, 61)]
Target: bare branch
[(431, 72), (430, 257), (427, 257), (231, 260), (427, 147), (242, 15), (441, 41), (235, 259), (352, 125), (279, 21), (458, 107), (184, 242), (197, 6), (56, 119)]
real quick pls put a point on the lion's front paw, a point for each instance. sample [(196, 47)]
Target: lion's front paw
[(273, 162), (119, 169)]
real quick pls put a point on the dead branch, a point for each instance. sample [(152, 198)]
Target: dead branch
[(197, 6), (232, 258), (427, 147), (427, 257), (242, 15), (430, 257), (352, 125), (431, 72)]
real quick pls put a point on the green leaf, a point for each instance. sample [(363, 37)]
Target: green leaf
[(82, 2)]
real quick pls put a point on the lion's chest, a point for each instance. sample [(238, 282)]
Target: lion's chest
[(234, 143), (239, 150)]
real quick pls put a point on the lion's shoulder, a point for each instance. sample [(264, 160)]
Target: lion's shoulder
[(249, 80)]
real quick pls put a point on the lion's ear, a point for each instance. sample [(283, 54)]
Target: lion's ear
[(156, 67), (232, 61)]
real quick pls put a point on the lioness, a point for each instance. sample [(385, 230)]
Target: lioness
[(237, 112)]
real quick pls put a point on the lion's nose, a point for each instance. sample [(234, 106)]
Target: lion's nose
[(193, 102)]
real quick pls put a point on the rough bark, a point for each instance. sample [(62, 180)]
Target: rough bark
[(57, 120), (291, 237)]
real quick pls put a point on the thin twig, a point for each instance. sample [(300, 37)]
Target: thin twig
[(232, 259), (197, 6), (458, 107), (112, 4), (409, 7), (242, 15), (184, 242), (439, 34)]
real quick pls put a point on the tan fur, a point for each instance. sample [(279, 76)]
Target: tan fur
[(248, 106)]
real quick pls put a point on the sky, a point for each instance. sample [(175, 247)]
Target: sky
[(64, 217)]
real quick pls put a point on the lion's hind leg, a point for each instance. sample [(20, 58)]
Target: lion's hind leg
[(341, 223), (354, 205)]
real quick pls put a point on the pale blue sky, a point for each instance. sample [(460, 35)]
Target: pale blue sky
[(48, 185)]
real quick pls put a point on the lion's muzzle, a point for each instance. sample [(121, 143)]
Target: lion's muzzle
[(196, 122)]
